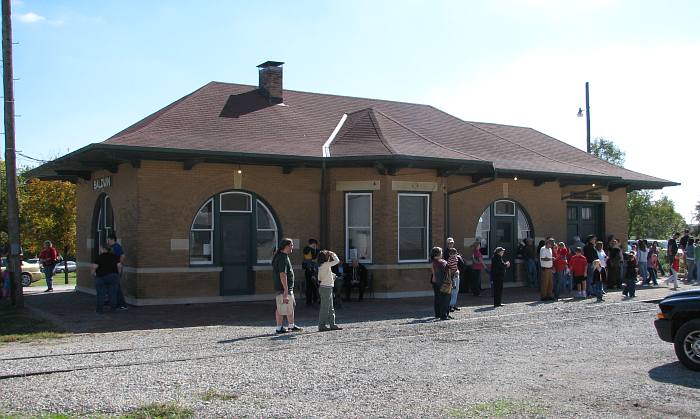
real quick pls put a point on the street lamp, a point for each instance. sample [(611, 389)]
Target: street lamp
[(588, 121)]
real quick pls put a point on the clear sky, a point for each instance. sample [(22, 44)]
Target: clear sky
[(88, 69)]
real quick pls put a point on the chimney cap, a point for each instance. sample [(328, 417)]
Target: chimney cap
[(270, 64)]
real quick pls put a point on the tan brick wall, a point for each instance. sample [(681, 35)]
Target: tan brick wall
[(157, 202)]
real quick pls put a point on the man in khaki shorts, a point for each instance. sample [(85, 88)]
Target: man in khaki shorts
[(283, 276)]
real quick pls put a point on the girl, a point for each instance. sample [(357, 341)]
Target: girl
[(477, 266), (675, 267), (642, 255), (653, 266)]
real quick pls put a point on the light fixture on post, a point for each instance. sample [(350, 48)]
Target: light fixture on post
[(588, 121)]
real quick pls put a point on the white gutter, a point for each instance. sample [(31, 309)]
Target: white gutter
[(327, 144)]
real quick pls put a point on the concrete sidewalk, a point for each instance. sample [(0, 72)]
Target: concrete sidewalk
[(75, 312)]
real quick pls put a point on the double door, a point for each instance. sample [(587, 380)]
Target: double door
[(236, 254)]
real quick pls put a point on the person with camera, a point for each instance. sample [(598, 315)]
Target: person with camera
[(326, 315)]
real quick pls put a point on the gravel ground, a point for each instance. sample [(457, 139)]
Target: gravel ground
[(582, 359)]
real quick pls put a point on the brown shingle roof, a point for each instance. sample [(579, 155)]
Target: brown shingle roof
[(234, 118)]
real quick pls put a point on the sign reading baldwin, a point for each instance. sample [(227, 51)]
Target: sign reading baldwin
[(102, 183)]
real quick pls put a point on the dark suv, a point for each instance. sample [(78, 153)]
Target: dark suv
[(678, 321)]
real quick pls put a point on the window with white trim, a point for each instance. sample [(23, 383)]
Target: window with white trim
[(266, 237), (202, 235), (524, 229), (504, 208), (235, 202), (413, 227), (483, 228), (358, 226)]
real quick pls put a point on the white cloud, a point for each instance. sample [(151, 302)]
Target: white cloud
[(30, 17), (642, 97)]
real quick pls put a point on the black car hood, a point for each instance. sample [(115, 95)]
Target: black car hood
[(692, 294)]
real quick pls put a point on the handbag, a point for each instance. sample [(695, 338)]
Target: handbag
[(446, 286)]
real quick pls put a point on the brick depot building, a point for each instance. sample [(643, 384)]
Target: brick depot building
[(200, 192)]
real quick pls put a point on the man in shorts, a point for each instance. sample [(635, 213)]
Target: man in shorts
[(283, 276)]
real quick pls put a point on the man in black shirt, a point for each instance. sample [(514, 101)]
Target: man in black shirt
[(591, 254), (684, 239), (106, 273)]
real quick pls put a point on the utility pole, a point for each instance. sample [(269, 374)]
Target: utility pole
[(13, 261), (588, 123)]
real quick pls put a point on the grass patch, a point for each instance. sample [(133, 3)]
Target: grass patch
[(18, 325), (211, 395), (58, 279), (160, 411), (497, 409)]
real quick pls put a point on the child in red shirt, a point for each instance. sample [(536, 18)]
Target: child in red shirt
[(579, 270)]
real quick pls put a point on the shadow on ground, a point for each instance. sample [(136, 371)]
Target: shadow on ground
[(675, 373)]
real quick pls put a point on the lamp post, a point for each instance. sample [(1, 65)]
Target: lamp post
[(588, 121)]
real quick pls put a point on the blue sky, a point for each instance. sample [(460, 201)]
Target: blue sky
[(88, 69)]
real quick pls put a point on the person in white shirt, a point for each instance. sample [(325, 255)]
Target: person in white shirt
[(546, 264), (326, 278)]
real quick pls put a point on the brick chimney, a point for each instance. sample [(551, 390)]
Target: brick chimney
[(270, 80)]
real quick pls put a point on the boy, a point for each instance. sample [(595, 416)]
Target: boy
[(599, 277), (579, 270)]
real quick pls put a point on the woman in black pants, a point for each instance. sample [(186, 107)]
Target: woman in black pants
[(439, 276), (498, 271)]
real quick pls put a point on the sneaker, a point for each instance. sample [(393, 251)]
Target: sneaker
[(49, 290), (336, 328), (122, 308), (295, 329), (323, 329), (280, 331), (457, 308)]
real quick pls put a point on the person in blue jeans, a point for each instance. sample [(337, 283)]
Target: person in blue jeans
[(48, 258), (597, 281), (106, 272), (630, 275), (116, 248)]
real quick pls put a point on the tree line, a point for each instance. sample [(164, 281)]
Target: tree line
[(47, 211)]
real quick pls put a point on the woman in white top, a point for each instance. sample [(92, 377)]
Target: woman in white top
[(326, 278)]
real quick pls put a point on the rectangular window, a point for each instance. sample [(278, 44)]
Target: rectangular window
[(586, 213), (413, 227), (358, 226)]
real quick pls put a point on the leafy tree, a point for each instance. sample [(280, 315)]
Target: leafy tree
[(608, 151), (647, 218), (47, 212)]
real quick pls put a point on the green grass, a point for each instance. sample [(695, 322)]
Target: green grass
[(211, 395), (160, 411), (497, 409), (19, 325), (57, 279)]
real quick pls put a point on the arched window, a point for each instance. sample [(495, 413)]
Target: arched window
[(498, 210), (266, 233), (102, 223), (255, 220), (202, 235)]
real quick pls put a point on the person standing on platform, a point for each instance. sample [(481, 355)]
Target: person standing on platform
[(546, 263), (310, 253), (498, 272), (118, 251), (326, 277), (283, 277)]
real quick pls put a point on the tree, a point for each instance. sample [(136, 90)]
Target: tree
[(47, 212), (608, 151), (647, 218)]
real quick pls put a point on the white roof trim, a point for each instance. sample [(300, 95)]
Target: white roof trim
[(327, 144)]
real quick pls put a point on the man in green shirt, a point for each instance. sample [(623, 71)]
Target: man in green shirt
[(283, 277)]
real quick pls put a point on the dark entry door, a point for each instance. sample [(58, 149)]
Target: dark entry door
[(236, 277), (584, 220), (504, 236)]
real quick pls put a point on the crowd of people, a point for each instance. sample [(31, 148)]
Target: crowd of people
[(580, 270)]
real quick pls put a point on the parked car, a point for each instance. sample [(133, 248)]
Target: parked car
[(678, 321), (60, 267), (31, 272)]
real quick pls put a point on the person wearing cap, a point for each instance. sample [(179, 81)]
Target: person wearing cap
[(498, 272), (48, 258)]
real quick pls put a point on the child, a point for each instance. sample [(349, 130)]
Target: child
[(560, 265), (675, 267), (653, 266), (453, 267), (579, 269), (598, 278), (630, 275)]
